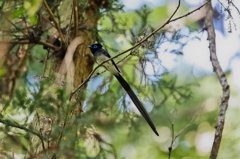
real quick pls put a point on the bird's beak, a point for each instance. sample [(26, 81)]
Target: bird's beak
[(89, 46)]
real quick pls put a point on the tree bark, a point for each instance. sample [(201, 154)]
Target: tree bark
[(222, 80), (73, 64)]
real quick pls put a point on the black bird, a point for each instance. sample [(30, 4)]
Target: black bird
[(101, 55)]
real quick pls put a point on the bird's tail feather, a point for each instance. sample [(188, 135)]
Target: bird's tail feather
[(136, 101)]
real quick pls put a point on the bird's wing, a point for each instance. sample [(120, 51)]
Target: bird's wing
[(114, 64)]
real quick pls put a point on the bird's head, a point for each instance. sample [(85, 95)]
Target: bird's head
[(95, 47)]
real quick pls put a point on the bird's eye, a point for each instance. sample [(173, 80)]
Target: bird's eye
[(95, 46)]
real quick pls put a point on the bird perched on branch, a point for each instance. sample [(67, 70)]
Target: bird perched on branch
[(101, 55)]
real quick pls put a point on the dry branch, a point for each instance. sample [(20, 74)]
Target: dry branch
[(55, 22), (222, 79)]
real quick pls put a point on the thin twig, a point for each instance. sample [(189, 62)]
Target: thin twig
[(16, 125), (222, 79), (185, 15), (17, 141), (174, 137), (172, 142), (28, 42), (15, 26), (55, 22)]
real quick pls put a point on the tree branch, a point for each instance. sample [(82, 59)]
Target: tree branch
[(174, 137), (16, 125), (222, 79), (56, 24), (28, 42)]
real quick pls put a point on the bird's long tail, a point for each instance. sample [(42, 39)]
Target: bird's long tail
[(136, 101)]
